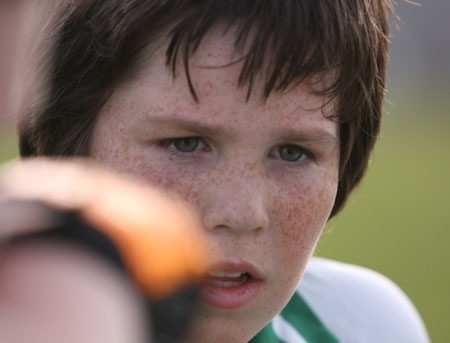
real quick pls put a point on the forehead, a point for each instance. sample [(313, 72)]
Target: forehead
[(214, 69)]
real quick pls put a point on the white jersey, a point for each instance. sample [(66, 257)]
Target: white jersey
[(338, 302)]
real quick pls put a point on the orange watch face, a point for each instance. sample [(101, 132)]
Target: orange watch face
[(162, 249)]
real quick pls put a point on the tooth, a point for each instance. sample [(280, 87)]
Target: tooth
[(228, 284), (219, 273), (239, 274)]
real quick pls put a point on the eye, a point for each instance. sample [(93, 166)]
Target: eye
[(186, 144), (183, 144), (290, 152)]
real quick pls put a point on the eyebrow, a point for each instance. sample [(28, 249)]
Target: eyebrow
[(307, 136), (196, 127), (315, 135)]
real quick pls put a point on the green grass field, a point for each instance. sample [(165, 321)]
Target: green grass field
[(8, 147), (398, 221)]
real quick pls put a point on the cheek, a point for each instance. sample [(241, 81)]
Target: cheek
[(299, 214), (133, 161)]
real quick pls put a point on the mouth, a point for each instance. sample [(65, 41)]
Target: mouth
[(231, 286), (223, 279)]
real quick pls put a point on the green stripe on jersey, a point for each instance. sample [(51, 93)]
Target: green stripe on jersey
[(298, 313), (302, 318)]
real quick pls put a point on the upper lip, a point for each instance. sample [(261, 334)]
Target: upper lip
[(235, 267)]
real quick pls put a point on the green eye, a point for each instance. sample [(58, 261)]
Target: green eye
[(186, 144), (291, 153)]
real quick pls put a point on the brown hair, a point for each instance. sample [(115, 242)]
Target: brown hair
[(97, 44)]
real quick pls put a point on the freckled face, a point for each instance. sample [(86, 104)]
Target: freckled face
[(263, 176)]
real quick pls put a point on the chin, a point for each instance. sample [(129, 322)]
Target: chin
[(219, 328)]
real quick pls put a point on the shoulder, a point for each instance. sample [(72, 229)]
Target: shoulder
[(360, 305)]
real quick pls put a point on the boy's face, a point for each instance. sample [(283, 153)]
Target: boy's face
[(262, 176)]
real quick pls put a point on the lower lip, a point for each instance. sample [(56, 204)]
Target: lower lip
[(230, 298)]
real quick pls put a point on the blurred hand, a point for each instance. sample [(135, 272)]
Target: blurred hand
[(61, 293), (11, 34), (51, 290)]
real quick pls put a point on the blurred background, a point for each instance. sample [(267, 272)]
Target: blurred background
[(398, 221)]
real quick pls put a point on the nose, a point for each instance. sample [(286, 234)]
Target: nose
[(237, 201)]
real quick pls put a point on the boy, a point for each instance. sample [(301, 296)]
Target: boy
[(262, 115)]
